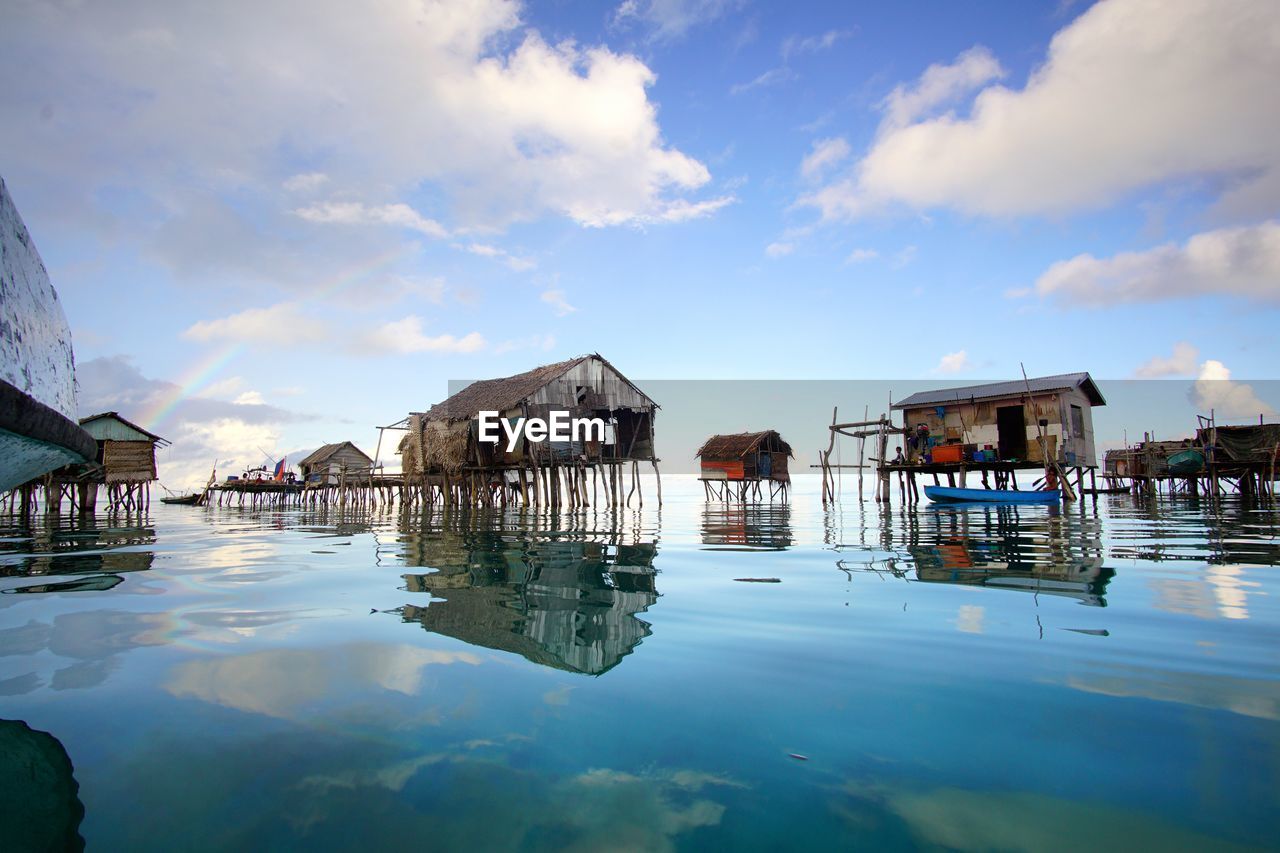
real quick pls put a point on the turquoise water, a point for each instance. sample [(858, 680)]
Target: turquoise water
[(1103, 675)]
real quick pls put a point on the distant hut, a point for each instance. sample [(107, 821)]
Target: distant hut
[(443, 453), (332, 463), (126, 461), (739, 462)]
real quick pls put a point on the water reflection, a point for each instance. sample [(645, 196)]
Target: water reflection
[(563, 600), (74, 545), (758, 527), (1034, 550)]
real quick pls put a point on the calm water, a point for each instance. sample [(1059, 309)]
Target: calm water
[(1023, 678)]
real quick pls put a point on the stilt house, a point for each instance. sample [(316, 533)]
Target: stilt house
[(126, 462), (1002, 421), (745, 456), (331, 462), (443, 444)]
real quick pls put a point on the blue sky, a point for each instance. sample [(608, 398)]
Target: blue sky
[(272, 225)]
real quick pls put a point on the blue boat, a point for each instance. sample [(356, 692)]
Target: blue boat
[(947, 494)]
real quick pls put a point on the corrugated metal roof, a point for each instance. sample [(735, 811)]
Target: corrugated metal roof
[(99, 426), (508, 392), (325, 451), (1011, 388)]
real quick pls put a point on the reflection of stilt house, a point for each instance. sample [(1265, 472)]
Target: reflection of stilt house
[(564, 604), (1001, 427), (331, 464), (443, 454), (126, 462), (734, 465)]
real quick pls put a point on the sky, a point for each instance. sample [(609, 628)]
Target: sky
[(278, 224)]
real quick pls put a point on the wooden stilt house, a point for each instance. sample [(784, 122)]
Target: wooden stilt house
[(736, 464), (444, 455), (331, 464), (126, 461)]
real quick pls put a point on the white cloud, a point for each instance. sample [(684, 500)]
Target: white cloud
[(355, 213), (555, 297), (825, 154), (772, 77), (1241, 262), (1132, 94), (282, 324), (954, 362), (456, 100), (858, 256), (940, 85), (406, 336), (250, 398), (681, 210), (1214, 389), (306, 182), (779, 249), (796, 45), (514, 262), (905, 255), (1181, 363), (671, 19)]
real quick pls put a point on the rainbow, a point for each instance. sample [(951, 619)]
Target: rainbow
[(208, 367)]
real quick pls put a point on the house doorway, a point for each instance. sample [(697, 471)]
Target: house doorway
[(1011, 427)]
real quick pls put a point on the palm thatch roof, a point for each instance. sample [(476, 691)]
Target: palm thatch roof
[(739, 445), (497, 395)]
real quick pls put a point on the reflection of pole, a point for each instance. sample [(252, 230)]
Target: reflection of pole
[(862, 447)]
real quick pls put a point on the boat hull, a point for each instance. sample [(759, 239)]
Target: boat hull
[(38, 431), (1186, 462), (949, 494)]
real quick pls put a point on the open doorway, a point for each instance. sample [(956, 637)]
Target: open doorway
[(1011, 425)]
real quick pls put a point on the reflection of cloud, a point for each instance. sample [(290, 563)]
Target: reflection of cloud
[(279, 682), (957, 819), (969, 618), (1244, 696), (1221, 593)]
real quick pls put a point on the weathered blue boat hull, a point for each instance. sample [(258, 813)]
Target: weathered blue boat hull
[(38, 430), (948, 494)]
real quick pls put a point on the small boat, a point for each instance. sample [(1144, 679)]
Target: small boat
[(948, 494), (1190, 461), (183, 500)]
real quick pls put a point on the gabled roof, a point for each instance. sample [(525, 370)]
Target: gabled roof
[(509, 391), (1012, 388), (130, 424), (325, 451), (738, 445)]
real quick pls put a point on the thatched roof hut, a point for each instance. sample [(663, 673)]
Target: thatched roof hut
[(444, 439), (746, 456)]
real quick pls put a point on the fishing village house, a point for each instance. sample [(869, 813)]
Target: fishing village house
[(125, 462), (739, 462), (998, 426), (331, 464), (443, 454)]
